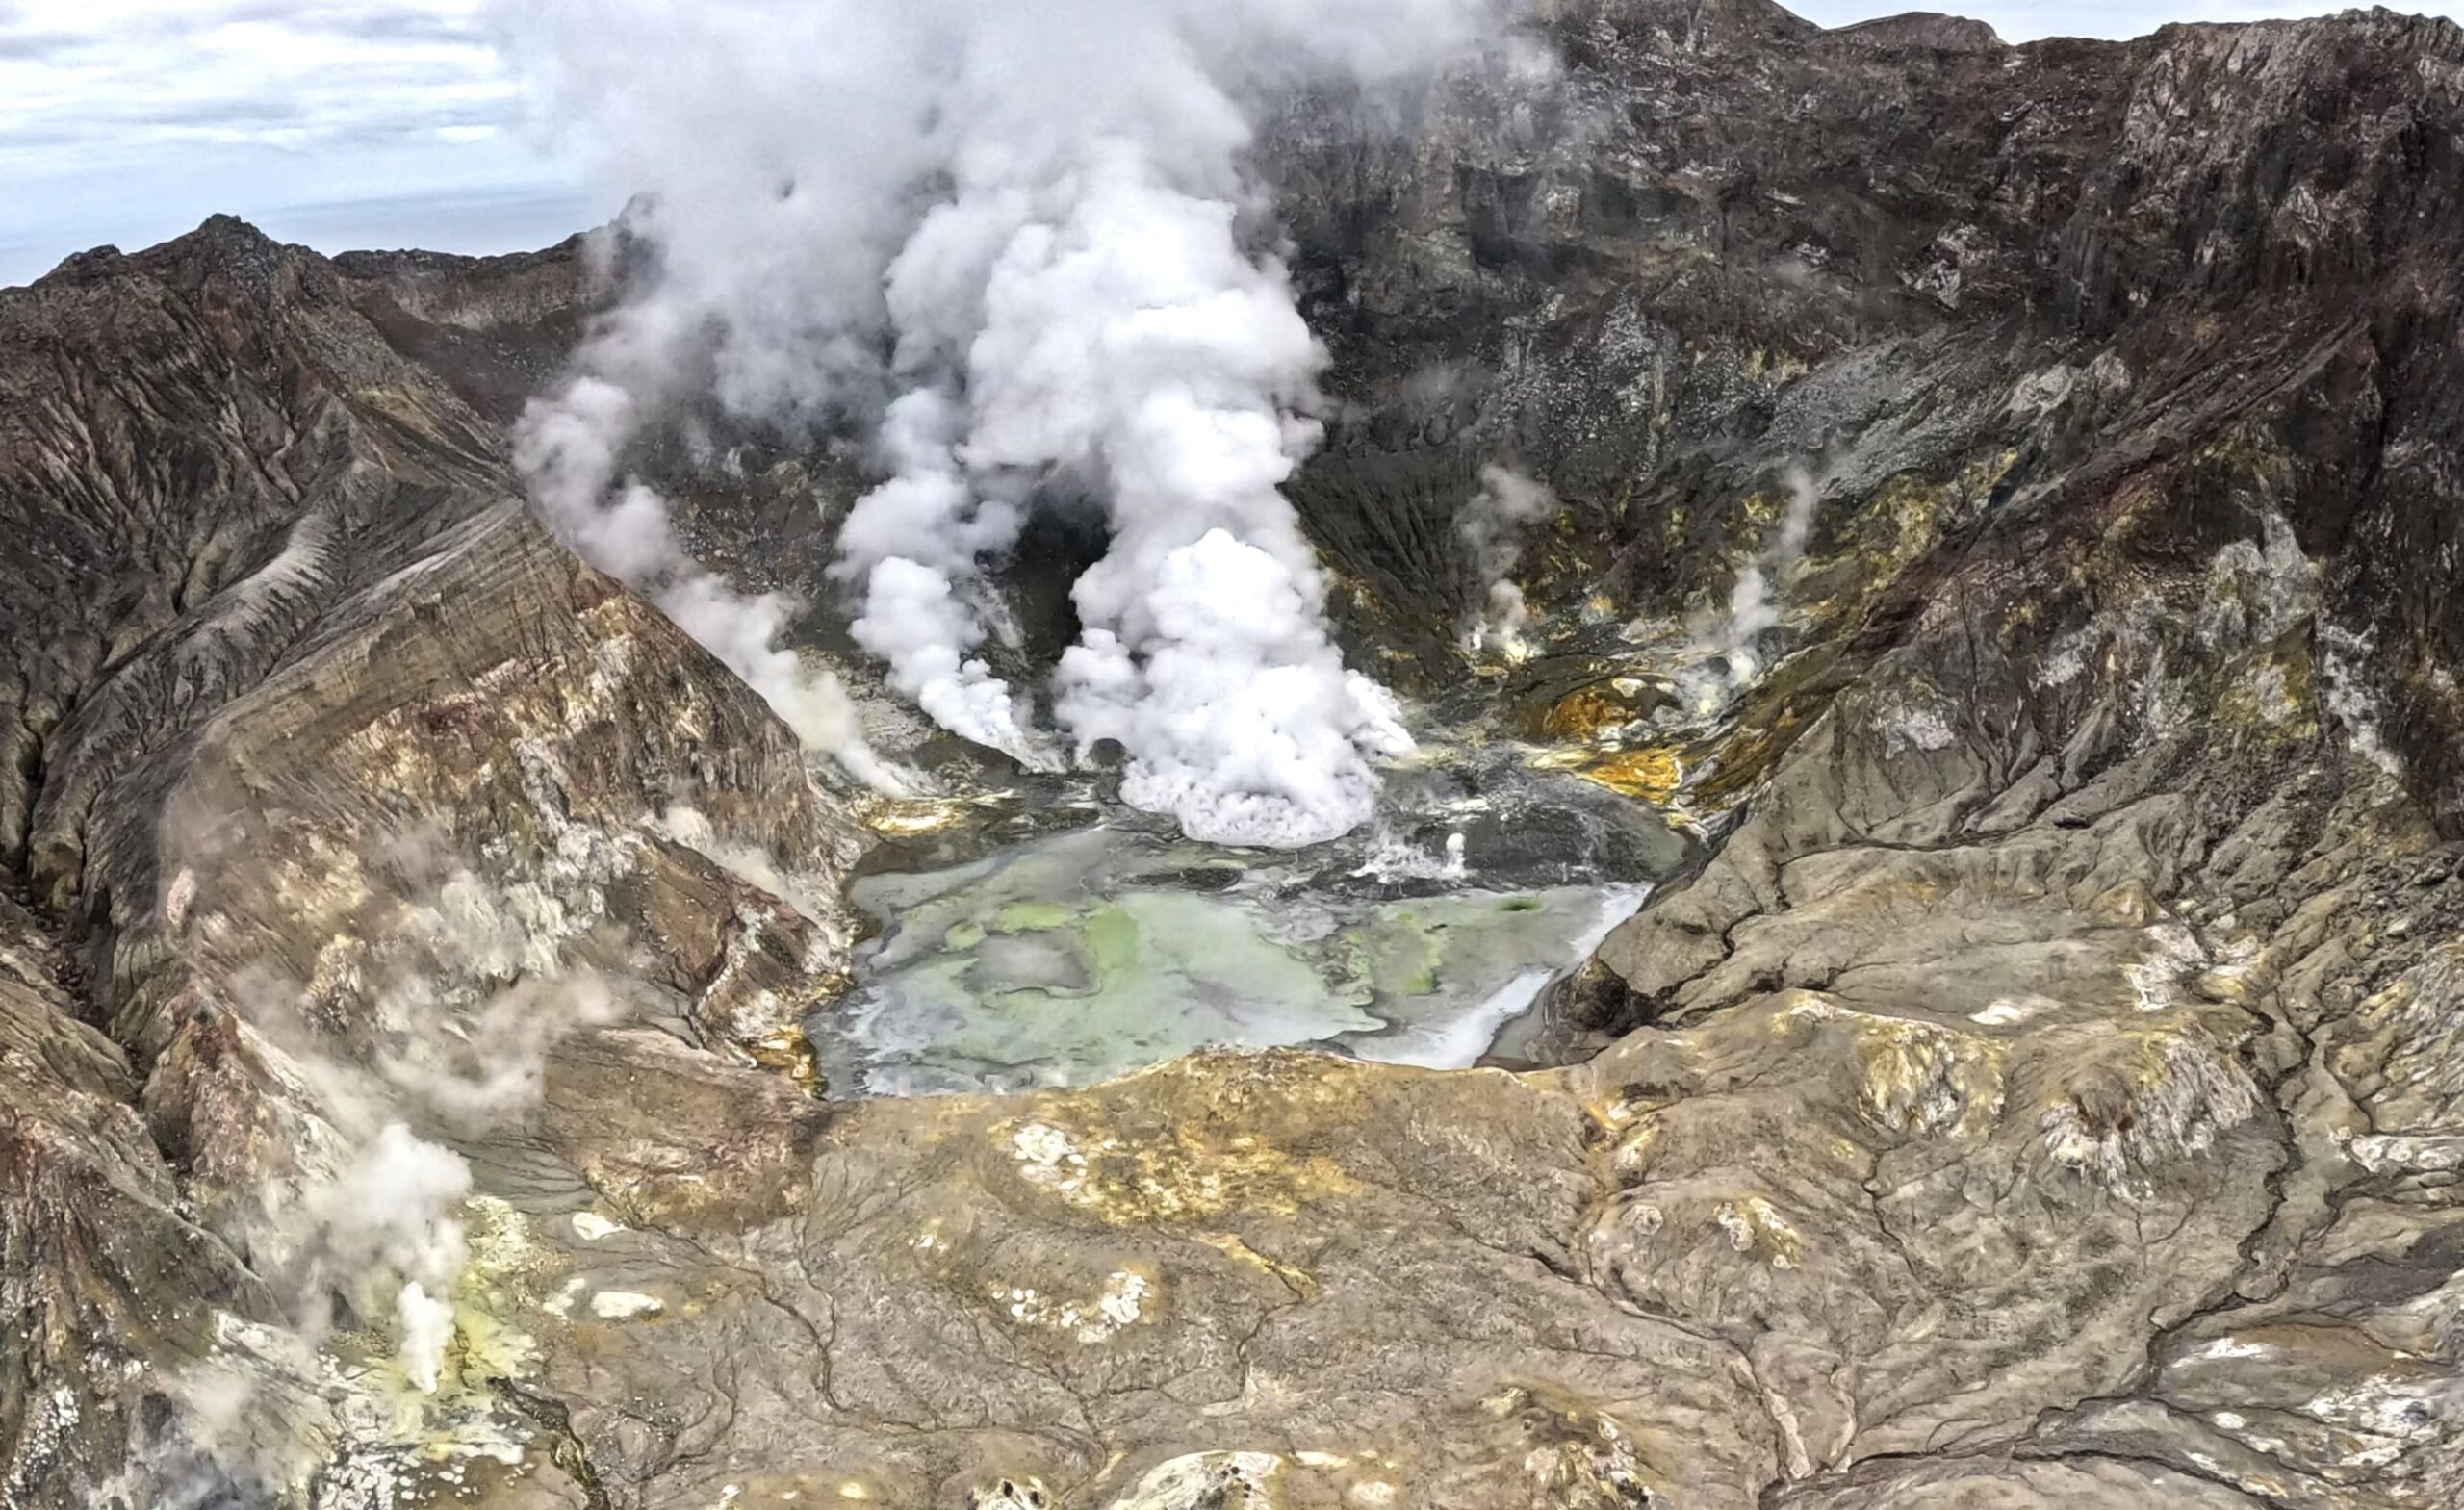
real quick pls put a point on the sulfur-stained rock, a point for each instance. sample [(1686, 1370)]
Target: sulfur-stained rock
[(347, 793), (2043, 1092)]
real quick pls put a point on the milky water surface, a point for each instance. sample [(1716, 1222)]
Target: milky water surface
[(1084, 955)]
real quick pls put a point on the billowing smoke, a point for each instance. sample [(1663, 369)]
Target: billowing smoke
[(915, 543), (375, 1223), (1021, 244), (1491, 527)]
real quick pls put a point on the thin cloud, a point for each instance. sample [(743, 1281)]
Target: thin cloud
[(368, 22), (127, 120), (130, 76), (33, 46), (130, 121), (236, 114)]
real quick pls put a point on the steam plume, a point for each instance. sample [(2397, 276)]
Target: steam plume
[(571, 449), (1492, 528), (1751, 612), (1732, 661), (1019, 242), (458, 998)]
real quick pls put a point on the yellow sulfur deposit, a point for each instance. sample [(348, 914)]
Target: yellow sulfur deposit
[(1588, 712), (1653, 775)]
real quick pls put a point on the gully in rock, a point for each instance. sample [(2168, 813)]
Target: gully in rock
[(1154, 755)]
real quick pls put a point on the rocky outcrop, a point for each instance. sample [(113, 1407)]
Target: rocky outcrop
[(1938, 280), (2044, 1092), (2087, 836), (107, 1276), (333, 766)]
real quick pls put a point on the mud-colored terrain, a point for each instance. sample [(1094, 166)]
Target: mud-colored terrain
[(2043, 1086)]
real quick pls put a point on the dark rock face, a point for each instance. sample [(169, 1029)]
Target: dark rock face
[(2102, 801), (105, 1273), (315, 726), (2111, 729), (1923, 29), (2045, 1093)]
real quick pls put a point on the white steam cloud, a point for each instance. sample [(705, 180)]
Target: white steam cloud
[(375, 1220), (388, 1217), (571, 448), (1491, 527), (1022, 242), (1733, 660), (457, 1004), (1751, 610)]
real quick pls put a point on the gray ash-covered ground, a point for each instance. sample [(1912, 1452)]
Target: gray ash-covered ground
[(2041, 1089)]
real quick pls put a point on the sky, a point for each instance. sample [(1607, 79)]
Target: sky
[(381, 123)]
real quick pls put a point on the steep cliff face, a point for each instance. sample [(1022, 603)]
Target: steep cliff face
[(325, 751), (1942, 279), (2005, 498), (2093, 885)]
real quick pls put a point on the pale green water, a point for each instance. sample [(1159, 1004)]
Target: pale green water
[(1090, 954)]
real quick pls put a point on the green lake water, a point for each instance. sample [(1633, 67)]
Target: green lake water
[(1089, 954)]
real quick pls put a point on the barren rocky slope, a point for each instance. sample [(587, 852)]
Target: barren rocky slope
[(2045, 1093)]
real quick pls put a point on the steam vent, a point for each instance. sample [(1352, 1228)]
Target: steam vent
[(1239, 755)]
